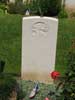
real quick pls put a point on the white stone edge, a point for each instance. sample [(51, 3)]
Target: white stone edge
[(32, 17)]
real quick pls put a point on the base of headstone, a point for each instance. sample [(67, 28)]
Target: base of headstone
[(42, 78)]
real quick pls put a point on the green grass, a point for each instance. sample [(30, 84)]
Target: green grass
[(66, 34), (44, 89), (10, 42)]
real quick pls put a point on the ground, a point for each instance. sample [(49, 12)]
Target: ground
[(44, 89)]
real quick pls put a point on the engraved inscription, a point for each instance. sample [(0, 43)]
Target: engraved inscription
[(39, 29)]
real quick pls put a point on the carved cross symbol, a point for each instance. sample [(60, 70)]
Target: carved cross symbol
[(39, 28)]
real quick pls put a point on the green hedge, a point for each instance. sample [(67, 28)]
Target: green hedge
[(16, 8), (36, 7), (7, 85), (45, 7)]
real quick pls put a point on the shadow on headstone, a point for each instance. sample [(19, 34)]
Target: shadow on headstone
[(2, 65)]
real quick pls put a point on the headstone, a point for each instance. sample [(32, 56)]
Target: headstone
[(27, 13), (39, 39)]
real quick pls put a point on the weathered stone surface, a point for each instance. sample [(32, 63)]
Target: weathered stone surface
[(39, 39)]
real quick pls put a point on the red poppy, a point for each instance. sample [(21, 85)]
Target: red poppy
[(55, 75)]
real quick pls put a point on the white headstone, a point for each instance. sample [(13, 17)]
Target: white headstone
[(27, 13), (39, 39)]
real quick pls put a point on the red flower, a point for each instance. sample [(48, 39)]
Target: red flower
[(55, 75), (46, 98)]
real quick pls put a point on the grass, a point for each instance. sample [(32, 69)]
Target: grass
[(44, 89), (66, 34), (10, 42)]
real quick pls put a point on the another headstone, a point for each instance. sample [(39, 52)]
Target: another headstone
[(27, 13), (39, 39)]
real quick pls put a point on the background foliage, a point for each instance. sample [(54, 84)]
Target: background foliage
[(36, 7), (45, 7), (16, 8)]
